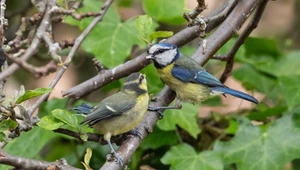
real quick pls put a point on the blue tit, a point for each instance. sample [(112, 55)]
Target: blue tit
[(191, 82), (120, 112)]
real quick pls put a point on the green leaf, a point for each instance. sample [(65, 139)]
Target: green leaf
[(111, 40), (29, 144), (32, 93), (291, 91), (8, 125), (144, 25), (49, 123), (262, 83), (3, 137), (87, 156), (153, 79), (160, 34), (65, 117), (168, 11), (186, 118), (159, 138), (184, 156), (232, 128), (273, 148), (263, 111), (288, 65), (262, 46), (46, 107)]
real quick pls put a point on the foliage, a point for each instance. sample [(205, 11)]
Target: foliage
[(264, 136)]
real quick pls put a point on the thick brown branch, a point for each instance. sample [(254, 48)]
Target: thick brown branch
[(241, 39), (24, 163)]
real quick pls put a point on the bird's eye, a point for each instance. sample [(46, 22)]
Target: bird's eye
[(160, 50), (141, 78)]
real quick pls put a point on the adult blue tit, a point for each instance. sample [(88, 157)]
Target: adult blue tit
[(190, 81), (120, 112)]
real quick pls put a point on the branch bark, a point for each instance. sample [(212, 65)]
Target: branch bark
[(24, 163)]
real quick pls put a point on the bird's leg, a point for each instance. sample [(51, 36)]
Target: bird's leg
[(116, 155), (136, 133), (178, 105)]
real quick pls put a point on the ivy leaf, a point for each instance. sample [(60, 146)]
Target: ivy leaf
[(184, 156), (3, 137), (65, 117), (252, 148), (29, 144), (32, 93), (111, 40), (49, 123), (159, 138), (186, 118), (8, 125), (168, 11), (160, 34), (46, 107), (291, 91)]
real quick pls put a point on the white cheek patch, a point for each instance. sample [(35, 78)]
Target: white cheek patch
[(166, 57)]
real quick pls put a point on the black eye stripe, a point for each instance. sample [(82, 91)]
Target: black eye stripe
[(160, 51)]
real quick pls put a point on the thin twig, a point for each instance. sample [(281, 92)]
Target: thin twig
[(32, 49), (77, 43), (241, 39)]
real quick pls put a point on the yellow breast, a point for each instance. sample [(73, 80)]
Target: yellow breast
[(189, 92)]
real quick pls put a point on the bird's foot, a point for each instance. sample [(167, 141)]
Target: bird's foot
[(136, 133), (115, 156), (157, 110)]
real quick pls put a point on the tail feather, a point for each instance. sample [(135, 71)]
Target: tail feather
[(83, 108), (235, 93)]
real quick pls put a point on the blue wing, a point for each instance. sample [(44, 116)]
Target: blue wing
[(195, 76), (201, 76)]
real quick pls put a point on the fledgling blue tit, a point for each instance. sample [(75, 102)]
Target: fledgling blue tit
[(191, 82), (120, 112)]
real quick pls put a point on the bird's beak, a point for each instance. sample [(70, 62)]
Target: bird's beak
[(149, 57)]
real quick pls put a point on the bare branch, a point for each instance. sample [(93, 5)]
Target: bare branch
[(77, 43), (24, 163), (241, 39), (32, 49)]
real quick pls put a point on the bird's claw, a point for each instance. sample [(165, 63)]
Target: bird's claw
[(117, 157), (136, 133), (157, 110)]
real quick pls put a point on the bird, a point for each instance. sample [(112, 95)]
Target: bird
[(191, 82), (120, 112)]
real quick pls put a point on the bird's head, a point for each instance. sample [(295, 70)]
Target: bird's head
[(135, 83), (163, 54)]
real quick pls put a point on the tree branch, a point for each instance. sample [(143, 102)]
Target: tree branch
[(184, 36), (241, 39), (32, 49), (24, 163), (75, 47)]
